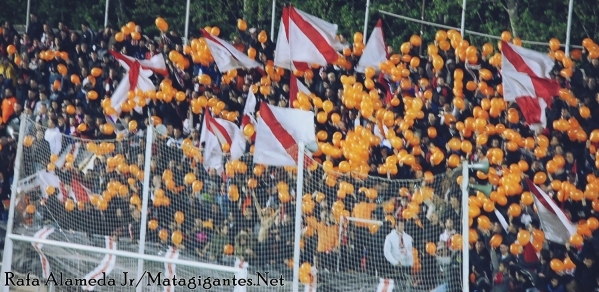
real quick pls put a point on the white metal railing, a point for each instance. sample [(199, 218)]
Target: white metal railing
[(467, 31)]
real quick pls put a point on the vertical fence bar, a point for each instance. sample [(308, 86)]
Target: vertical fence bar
[(8, 242), (298, 214), (465, 227), (106, 13), (144, 200), (569, 27)]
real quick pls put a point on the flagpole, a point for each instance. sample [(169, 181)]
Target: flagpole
[(106, 13), (569, 27), (298, 214), (463, 26), (27, 16), (366, 18), (465, 225), (187, 23), (272, 20)]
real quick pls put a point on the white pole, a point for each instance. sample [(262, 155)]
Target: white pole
[(106, 13), (27, 17), (144, 203), (272, 20), (463, 26), (8, 244), (298, 214), (186, 41), (569, 27), (126, 254), (465, 227), (366, 18)]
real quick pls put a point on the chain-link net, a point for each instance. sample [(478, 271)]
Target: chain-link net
[(78, 191), (349, 226), (90, 192)]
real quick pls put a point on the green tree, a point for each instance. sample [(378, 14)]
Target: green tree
[(528, 19)]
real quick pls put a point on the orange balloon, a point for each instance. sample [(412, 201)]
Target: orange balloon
[(241, 25), (496, 240), (556, 265), (161, 24), (576, 240)]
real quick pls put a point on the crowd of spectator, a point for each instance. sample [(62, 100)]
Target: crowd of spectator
[(256, 223)]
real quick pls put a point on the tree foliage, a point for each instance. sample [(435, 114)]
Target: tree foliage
[(528, 19)]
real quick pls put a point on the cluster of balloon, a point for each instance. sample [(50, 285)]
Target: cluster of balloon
[(49, 55), (138, 98), (398, 66), (128, 30), (591, 47), (235, 167), (510, 185), (358, 47), (101, 202), (178, 59), (559, 55)]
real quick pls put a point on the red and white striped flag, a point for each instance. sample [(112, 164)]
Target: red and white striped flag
[(170, 270), (215, 133), (249, 110), (226, 56), (77, 191), (106, 265), (278, 132), (43, 234), (554, 222), (249, 115), (305, 39), (526, 76), (295, 87), (375, 51), (137, 76)]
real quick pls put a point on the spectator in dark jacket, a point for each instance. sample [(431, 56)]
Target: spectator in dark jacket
[(35, 29), (586, 268)]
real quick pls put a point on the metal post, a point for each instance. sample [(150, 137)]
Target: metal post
[(186, 41), (465, 226), (8, 243), (272, 20), (298, 214), (106, 13), (421, 25), (463, 26), (569, 27), (144, 203), (27, 16), (126, 254), (366, 18)]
